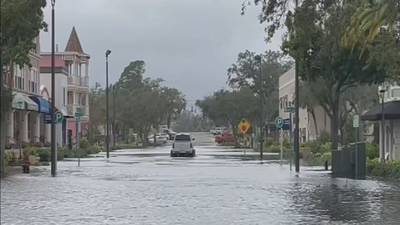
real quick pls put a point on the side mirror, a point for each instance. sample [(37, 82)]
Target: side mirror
[(193, 139)]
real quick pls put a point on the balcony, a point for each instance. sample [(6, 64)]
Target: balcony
[(73, 108), (78, 81)]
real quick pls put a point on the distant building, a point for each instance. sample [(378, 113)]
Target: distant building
[(72, 72), (309, 128), (61, 86)]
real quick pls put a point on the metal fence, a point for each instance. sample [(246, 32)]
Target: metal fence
[(350, 162)]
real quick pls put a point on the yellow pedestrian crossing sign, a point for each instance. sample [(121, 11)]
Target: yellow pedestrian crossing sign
[(244, 126)]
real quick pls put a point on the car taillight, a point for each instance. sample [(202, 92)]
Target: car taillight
[(191, 145)]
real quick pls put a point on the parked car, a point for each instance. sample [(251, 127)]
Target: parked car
[(218, 130), (159, 139), (225, 137), (183, 145), (171, 134)]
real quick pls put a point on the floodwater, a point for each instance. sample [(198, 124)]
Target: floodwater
[(218, 186)]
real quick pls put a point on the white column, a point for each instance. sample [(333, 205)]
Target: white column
[(36, 133), (48, 133), (10, 130), (24, 126)]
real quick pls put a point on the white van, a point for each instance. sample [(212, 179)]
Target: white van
[(183, 145)]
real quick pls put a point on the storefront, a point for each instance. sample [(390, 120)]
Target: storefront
[(389, 142)]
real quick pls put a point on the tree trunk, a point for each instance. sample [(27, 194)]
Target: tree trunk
[(335, 123), (169, 121), (315, 123), (2, 144)]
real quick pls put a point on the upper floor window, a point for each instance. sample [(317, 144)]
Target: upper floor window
[(396, 92)]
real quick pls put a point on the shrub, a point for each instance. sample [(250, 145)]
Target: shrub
[(390, 169), (372, 151), (44, 155), (84, 143)]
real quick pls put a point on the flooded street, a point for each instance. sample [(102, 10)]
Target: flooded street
[(218, 186)]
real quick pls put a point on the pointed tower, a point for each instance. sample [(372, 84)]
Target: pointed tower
[(74, 45)]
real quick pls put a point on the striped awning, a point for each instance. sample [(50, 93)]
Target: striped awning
[(23, 102)]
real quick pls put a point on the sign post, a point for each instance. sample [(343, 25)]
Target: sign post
[(279, 126), (290, 110), (356, 125), (77, 123), (244, 127)]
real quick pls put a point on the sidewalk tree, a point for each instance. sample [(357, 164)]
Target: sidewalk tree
[(21, 21), (229, 107), (323, 58), (246, 73)]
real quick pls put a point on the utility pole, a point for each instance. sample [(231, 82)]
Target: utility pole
[(296, 144), (258, 58), (53, 99), (108, 52), (382, 151), (113, 117), (2, 154)]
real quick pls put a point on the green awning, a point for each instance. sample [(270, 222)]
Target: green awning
[(23, 102)]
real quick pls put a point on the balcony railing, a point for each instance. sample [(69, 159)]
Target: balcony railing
[(79, 81), (73, 108)]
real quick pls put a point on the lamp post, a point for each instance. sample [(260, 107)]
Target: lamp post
[(261, 93), (382, 151), (108, 52), (296, 144), (53, 99)]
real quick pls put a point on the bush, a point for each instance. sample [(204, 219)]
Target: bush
[(372, 151), (44, 155), (390, 169), (84, 143)]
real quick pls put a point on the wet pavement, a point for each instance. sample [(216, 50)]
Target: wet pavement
[(218, 186)]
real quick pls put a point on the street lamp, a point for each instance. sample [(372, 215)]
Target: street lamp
[(382, 151), (261, 93), (296, 144), (53, 98), (108, 52)]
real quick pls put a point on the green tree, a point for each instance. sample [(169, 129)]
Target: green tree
[(368, 20), (229, 107), (142, 104), (322, 57), (21, 21), (246, 73)]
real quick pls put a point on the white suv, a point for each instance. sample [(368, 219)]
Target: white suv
[(183, 145)]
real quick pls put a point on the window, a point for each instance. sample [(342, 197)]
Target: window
[(70, 97), (64, 96), (83, 99), (396, 93), (182, 137)]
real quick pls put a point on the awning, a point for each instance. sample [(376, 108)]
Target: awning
[(44, 105), (391, 112), (23, 102)]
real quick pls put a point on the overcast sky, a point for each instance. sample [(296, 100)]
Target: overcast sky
[(188, 43)]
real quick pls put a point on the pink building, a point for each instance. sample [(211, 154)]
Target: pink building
[(75, 62)]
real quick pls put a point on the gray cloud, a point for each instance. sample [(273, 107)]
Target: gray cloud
[(188, 43)]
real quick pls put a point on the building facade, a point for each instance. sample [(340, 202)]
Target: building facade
[(24, 119), (61, 85), (312, 122), (72, 84), (389, 121)]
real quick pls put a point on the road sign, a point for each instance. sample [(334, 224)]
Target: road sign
[(244, 126), (78, 116), (59, 117), (356, 121), (279, 122)]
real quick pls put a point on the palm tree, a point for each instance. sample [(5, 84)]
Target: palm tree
[(369, 19)]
